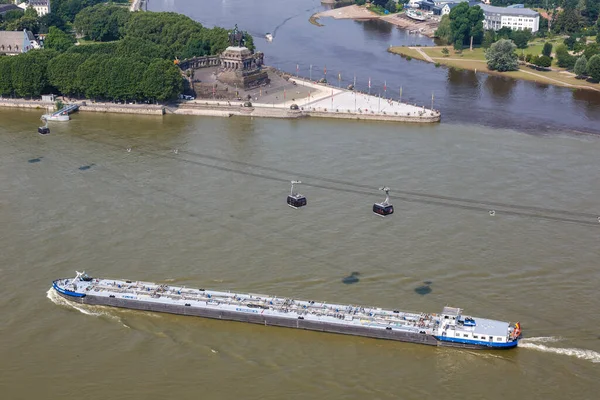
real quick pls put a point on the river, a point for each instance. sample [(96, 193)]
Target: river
[(359, 48), (489, 218)]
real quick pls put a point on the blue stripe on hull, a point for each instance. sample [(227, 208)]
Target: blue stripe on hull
[(66, 292), (491, 345)]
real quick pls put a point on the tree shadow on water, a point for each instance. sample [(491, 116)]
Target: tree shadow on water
[(352, 278), (424, 289)]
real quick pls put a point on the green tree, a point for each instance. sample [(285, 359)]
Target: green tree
[(581, 66), (391, 6), (593, 67), (542, 61), (51, 19), (567, 22), (26, 22), (563, 58), (590, 11), (124, 75), (132, 46), (28, 72), (62, 72), (444, 31), (489, 37), (547, 49), (501, 56), (162, 81), (6, 87), (68, 9), (91, 77), (12, 15), (591, 50), (58, 40), (458, 45), (504, 33), (102, 22), (445, 52), (466, 22), (521, 37), (195, 48), (570, 42)]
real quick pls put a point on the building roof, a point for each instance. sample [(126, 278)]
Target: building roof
[(508, 11), (39, 2), (4, 8), (12, 39)]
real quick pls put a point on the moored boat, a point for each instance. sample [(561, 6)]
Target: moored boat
[(449, 328), (416, 15)]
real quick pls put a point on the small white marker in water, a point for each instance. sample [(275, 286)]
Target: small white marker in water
[(176, 151), (492, 213), (129, 149)]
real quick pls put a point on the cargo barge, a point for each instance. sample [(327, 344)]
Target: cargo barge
[(449, 328)]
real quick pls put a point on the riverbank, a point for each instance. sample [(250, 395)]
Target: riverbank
[(361, 13), (475, 61), (323, 101), (87, 106)]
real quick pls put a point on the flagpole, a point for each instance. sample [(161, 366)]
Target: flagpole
[(310, 73), (354, 88), (400, 94), (432, 100)]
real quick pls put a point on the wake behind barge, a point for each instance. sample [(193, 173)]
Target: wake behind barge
[(450, 328)]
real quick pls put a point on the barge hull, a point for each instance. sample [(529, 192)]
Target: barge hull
[(266, 320)]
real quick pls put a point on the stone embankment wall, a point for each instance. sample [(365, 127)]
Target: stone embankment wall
[(86, 106), (35, 104), (229, 109), (147, 109)]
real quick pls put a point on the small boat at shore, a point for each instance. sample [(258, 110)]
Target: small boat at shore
[(269, 37), (62, 117), (449, 328), (416, 15)]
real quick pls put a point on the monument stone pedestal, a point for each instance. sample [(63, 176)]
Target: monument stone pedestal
[(239, 67)]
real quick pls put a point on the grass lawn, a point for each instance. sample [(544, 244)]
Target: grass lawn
[(436, 52), (475, 60), (406, 52)]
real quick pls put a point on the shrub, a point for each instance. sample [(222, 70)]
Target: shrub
[(501, 56), (547, 50), (593, 67), (581, 66)]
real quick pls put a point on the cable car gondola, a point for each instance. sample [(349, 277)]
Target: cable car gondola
[(295, 200), (44, 130), (384, 208)]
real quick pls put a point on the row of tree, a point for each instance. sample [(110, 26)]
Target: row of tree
[(93, 75), (132, 59), (501, 57), (177, 35), (461, 25)]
